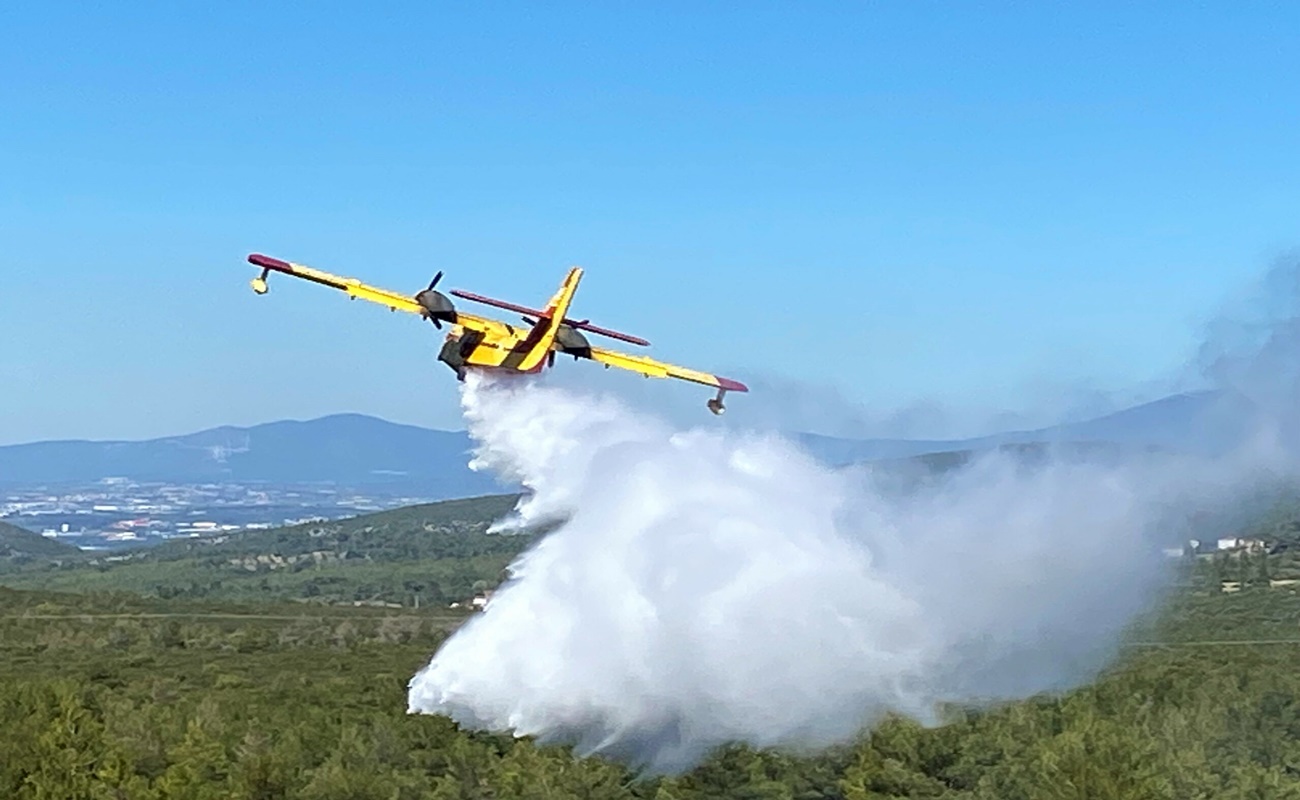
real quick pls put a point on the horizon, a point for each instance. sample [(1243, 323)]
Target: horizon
[(936, 222), (398, 423)]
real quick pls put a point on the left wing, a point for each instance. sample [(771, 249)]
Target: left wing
[(354, 287), (373, 294), (659, 369)]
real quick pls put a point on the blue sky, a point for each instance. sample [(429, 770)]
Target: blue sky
[(900, 205)]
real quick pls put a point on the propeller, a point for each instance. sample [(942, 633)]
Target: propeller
[(437, 277)]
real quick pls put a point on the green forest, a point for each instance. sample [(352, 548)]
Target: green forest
[(433, 554), (183, 673)]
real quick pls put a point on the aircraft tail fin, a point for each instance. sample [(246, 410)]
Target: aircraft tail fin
[(545, 330)]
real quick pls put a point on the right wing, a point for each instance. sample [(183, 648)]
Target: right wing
[(658, 369)]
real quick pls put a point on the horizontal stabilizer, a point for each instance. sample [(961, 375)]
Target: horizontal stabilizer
[(583, 325)]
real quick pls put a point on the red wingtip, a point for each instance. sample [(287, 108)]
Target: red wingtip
[(732, 386), (266, 262)]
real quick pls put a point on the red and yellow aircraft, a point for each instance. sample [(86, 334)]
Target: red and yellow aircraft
[(488, 344)]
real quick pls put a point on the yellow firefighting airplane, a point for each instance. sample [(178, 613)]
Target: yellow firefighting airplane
[(479, 343)]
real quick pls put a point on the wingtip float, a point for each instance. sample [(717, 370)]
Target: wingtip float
[(481, 343)]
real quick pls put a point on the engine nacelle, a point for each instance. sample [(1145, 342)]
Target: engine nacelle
[(572, 341), (437, 306)]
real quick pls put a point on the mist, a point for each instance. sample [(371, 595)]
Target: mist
[(1251, 355), (706, 586), (709, 585)]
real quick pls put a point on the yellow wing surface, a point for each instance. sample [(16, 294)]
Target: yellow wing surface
[(356, 289), (658, 369)]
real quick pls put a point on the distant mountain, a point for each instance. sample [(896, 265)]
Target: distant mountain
[(360, 451), (346, 449), (1198, 422), (1202, 422)]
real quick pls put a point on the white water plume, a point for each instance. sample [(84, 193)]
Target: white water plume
[(705, 587)]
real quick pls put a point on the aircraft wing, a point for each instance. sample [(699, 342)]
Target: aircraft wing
[(658, 369), (357, 289), (354, 287)]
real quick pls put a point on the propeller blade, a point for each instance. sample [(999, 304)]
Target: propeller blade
[(435, 280)]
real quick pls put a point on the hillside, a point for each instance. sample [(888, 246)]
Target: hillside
[(446, 529), (429, 554), (18, 543), (348, 449)]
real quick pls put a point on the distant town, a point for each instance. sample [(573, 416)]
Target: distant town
[(116, 512)]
